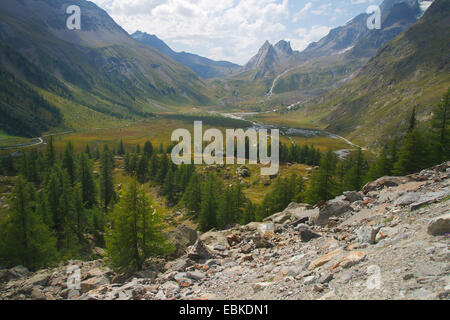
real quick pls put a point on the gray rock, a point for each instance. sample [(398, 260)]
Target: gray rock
[(332, 208), (182, 237), (306, 234), (179, 265), (309, 280), (353, 196), (327, 277), (407, 199), (199, 251), (196, 275), (440, 225), (428, 198), (384, 182), (367, 234), (18, 272)]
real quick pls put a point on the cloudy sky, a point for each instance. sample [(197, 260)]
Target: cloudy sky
[(233, 30)]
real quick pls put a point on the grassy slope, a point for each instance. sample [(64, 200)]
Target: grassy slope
[(412, 70)]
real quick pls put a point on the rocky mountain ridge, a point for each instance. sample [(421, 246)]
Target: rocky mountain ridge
[(204, 67), (390, 241)]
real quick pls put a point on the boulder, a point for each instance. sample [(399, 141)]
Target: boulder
[(213, 238), (332, 208), (278, 218), (200, 251), (383, 182), (182, 237), (38, 279), (306, 234), (18, 272), (367, 234), (429, 198), (195, 275), (179, 265), (324, 259), (93, 283), (440, 225), (350, 260), (353, 196)]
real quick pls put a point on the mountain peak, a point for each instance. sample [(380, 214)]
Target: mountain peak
[(284, 46)]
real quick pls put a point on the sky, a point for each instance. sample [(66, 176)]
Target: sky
[(233, 30)]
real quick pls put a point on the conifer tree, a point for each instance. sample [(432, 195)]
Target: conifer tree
[(142, 170), (120, 148), (207, 216), (193, 196), (441, 126), (148, 149), (136, 231), (50, 153), (69, 162), (88, 187), (323, 184), (60, 200), (413, 155), (87, 151), (26, 240), (354, 178), (107, 192)]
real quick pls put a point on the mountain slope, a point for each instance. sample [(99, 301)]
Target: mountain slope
[(204, 67), (99, 68), (411, 70), (329, 63)]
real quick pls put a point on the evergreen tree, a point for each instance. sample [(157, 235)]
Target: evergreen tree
[(323, 184), (50, 153), (88, 187), (120, 148), (207, 217), (354, 178), (163, 167), (169, 187), (60, 200), (154, 167), (382, 167), (148, 149), (107, 192), (80, 221), (249, 214), (97, 153), (142, 170), (192, 197), (413, 155), (87, 151), (136, 231), (69, 162), (26, 240), (441, 127), (225, 209)]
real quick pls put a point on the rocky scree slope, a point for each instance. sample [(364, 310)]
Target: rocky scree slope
[(390, 241)]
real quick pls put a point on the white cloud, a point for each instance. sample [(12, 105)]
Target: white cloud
[(231, 30), (307, 36)]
